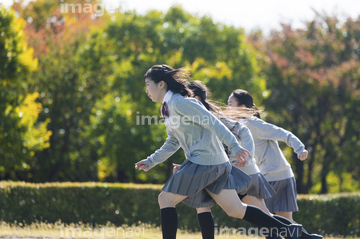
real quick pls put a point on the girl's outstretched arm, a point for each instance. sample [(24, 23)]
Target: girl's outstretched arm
[(170, 146), (269, 131)]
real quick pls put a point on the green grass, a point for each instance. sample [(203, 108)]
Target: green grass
[(60, 230), (80, 230)]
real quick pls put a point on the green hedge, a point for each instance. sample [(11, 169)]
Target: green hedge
[(99, 203)]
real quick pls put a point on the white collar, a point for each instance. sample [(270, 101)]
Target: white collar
[(168, 96)]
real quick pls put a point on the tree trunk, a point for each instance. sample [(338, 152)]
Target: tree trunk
[(324, 173), (299, 171)]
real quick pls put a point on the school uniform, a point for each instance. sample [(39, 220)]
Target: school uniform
[(272, 163), (258, 186), (200, 134)]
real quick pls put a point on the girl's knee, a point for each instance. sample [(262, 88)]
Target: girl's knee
[(161, 199), (203, 209), (166, 199), (236, 212)]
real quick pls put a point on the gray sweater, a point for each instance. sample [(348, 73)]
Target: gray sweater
[(244, 137), (198, 132), (268, 154)]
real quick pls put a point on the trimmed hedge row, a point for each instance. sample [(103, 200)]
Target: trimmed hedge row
[(99, 203)]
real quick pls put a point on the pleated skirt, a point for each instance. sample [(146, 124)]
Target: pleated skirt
[(258, 187), (284, 199), (192, 180)]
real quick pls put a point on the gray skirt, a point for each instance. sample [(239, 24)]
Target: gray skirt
[(192, 180), (284, 199), (258, 187)]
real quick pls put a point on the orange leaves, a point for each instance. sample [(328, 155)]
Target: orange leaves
[(326, 53), (49, 27), (305, 57), (279, 60)]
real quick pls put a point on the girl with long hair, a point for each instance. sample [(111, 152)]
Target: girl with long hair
[(206, 170), (270, 159)]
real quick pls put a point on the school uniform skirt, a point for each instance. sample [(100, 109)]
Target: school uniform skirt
[(258, 187), (284, 199), (192, 180)]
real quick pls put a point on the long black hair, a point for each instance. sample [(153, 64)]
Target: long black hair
[(175, 79), (245, 98), (201, 91)]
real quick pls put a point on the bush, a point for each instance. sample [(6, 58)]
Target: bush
[(99, 203)]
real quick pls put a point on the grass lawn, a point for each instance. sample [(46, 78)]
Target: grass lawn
[(60, 230)]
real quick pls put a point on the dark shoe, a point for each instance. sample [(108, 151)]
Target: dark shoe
[(316, 236), (295, 231)]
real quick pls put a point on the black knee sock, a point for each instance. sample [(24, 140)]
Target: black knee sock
[(273, 237), (206, 222), (304, 234), (256, 216), (267, 236), (169, 222)]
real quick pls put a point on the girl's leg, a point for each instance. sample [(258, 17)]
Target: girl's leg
[(257, 202), (229, 201), (203, 209), (251, 200), (287, 215), (260, 203), (167, 199), (206, 222), (168, 214)]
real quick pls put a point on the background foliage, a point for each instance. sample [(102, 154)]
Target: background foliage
[(100, 203), (314, 77), (72, 94)]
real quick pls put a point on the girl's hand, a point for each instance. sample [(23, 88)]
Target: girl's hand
[(176, 167), (142, 166), (242, 156), (240, 165), (303, 155)]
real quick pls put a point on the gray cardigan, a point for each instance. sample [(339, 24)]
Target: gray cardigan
[(198, 132), (268, 155), (244, 137)]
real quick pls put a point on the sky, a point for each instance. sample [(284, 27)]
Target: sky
[(248, 14)]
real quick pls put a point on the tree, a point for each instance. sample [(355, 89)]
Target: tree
[(314, 81), (90, 84), (21, 132), (213, 53), (67, 94)]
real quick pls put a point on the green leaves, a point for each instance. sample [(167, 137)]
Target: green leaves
[(21, 132), (131, 44)]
